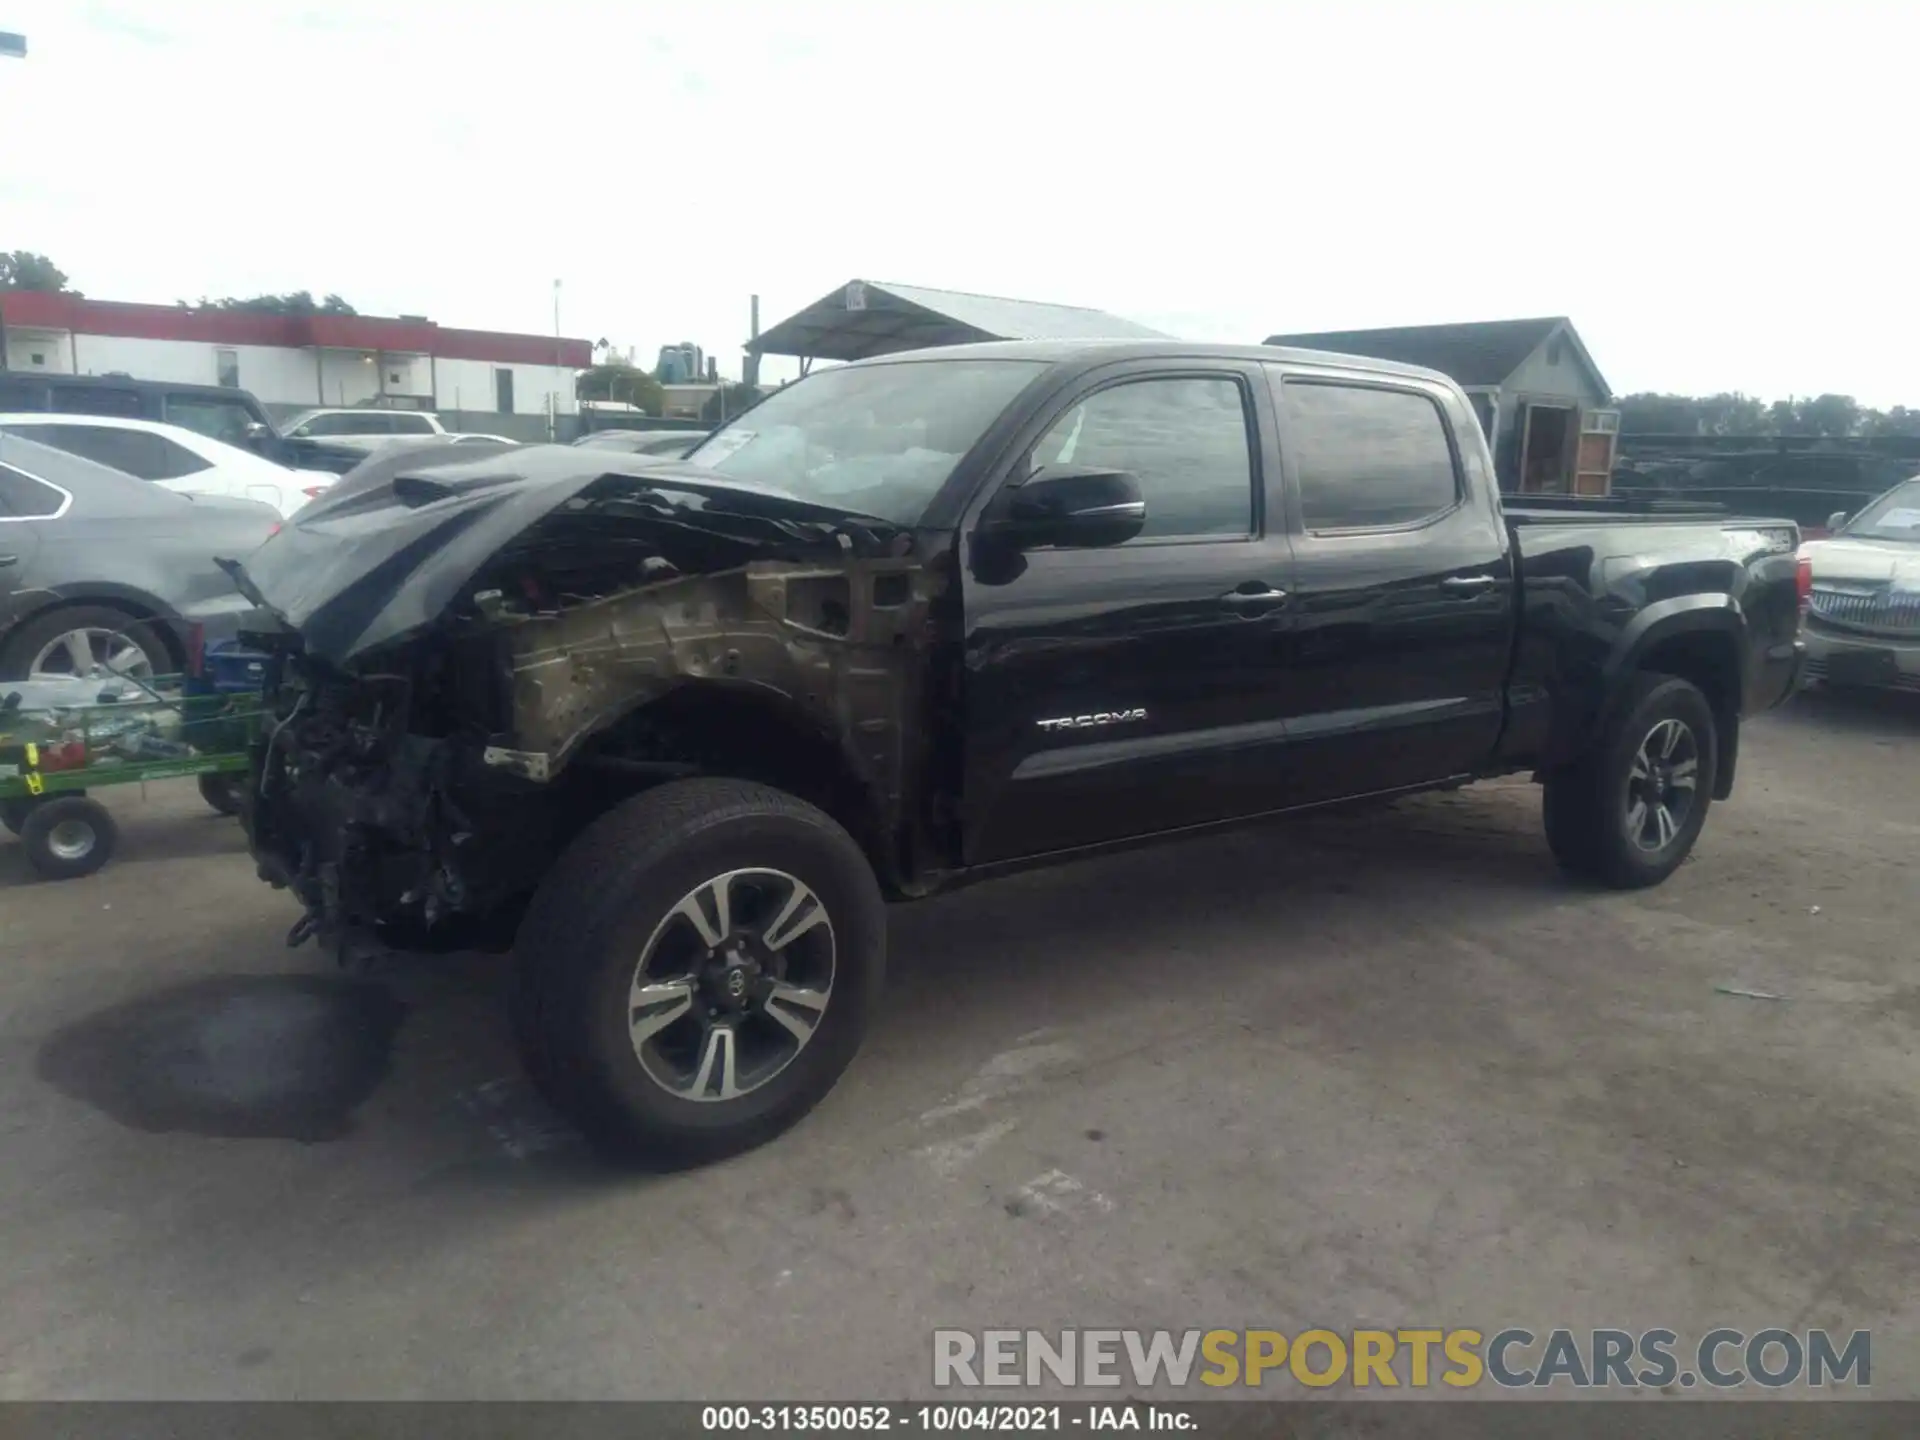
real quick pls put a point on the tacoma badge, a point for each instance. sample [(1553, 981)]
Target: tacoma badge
[(1083, 722)]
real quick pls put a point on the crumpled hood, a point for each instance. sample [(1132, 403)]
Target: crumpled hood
[(383, 554)]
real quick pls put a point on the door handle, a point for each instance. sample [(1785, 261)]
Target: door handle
[(1468, 584), (1252, 594)]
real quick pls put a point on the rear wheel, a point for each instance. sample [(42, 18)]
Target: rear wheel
[(1628, 813), (83, 640), (698, 969), (68, 836)]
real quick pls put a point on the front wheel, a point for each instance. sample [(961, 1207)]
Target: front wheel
[(698, 969), (1629, 812), (224, 792)]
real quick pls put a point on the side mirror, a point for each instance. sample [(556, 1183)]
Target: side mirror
[(1074, 507), (1836, 520), (258, 436)]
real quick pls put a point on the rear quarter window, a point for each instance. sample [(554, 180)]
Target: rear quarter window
[(98, 400), (24, 498), (22, 395)]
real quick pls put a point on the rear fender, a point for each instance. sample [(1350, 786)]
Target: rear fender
[(1712, 618)]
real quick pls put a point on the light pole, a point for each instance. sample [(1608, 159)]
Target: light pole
[(13, 47), (553, 396)]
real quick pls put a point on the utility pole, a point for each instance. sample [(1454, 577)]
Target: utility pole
[(13, 47), (553, 404), (751, 370)]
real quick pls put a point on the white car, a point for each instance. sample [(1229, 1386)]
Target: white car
[(363, 427), (169, 455), (1863, 616)]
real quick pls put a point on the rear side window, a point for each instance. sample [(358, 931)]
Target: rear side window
[(411, 424), (98, 400), (1183, 437), (1367, 458), (132, 452), (24, 498), (324, 425)]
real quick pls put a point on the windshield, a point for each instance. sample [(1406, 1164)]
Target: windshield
[(288, 426), (1894, 516), (876, 439)]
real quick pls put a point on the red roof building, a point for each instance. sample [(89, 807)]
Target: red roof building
[(294, 360)]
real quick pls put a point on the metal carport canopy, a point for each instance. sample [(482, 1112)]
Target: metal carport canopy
[(869, 317)]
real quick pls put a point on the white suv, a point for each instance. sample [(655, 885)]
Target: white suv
[(363, 429)]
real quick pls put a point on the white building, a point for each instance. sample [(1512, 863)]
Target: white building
[(295, 361)]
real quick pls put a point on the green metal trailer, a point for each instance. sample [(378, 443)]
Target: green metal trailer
[(53, 755)]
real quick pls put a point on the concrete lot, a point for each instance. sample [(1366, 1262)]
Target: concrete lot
[(1384, 1068)]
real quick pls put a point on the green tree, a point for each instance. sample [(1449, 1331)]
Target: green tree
[(25, 270), (1650, 414), (727, 402), (621, 384), (1730, 413), (294, 302), (1832, 415), (1897, 421)]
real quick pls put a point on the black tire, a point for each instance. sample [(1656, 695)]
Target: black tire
[(223, 792), (25, 643), (605, 903), (69, 836), (1589, 807)]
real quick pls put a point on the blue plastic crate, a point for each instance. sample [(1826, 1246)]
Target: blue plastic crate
[(234, 670)]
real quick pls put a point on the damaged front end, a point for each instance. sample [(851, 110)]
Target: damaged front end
[(469, 664)]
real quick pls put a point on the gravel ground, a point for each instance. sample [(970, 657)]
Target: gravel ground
[(1381, 1068)]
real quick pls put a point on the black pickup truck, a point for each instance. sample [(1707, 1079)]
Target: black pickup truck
[(675, 730)]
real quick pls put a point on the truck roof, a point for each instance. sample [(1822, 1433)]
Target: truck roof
[(1090, 352)]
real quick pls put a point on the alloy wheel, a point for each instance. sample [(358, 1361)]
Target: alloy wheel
[(90, 650), (1661, 785), (732, 985)]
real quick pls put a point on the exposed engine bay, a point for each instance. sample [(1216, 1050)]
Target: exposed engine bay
[(436, 737)]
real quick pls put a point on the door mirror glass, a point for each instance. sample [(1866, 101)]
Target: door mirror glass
[(1074, 507)]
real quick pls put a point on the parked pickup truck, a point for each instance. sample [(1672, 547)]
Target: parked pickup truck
[(676, 729)]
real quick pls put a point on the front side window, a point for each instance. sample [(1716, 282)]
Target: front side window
[(24, 498), (1184, 438), (877, 439), (217, 419), (1367, 458)]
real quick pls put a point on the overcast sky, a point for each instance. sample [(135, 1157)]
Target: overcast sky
[(1715, 193)]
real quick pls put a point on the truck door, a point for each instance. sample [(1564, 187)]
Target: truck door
[(1403, 608), (1125, 690)]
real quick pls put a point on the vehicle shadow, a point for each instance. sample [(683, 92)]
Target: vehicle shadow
[(1893, 714), (307, 1054)]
